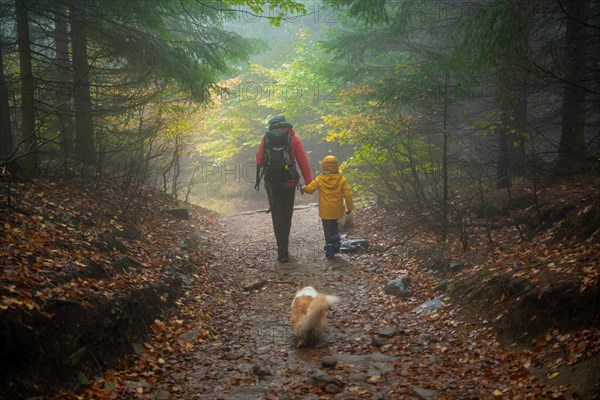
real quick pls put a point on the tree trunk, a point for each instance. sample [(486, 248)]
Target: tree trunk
[(445, 166), (520, 121), (64, 80), (520, 103), (28, 132), (572, 138), (6, 138), (84, 127), (512, 76), (511, 152), (503, 168)]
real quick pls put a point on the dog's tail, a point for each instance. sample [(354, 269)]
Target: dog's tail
[(313, 314)]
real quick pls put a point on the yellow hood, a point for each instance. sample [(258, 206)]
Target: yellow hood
[(330, 165)]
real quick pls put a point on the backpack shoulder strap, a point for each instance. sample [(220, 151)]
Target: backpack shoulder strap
[(260, 171), (289, 146)]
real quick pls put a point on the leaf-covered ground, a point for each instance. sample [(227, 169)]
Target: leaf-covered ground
[(228, 337), (83, 271)]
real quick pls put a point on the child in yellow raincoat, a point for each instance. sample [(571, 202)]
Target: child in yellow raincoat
[(333, 190)]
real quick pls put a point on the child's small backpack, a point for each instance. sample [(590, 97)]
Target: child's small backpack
[(278, 162)]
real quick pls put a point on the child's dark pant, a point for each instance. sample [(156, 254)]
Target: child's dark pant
[(330, 228)]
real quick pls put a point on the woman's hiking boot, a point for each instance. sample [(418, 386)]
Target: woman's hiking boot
[(282, 254)]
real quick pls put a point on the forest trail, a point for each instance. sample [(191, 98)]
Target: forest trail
[(383, 347), (255, 355), (202, 308)]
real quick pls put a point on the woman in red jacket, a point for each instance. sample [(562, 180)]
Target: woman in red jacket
[(278, 159)]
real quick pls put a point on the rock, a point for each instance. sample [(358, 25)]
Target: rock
[(255, 286), (379, 369), (197, 375), (387, 332), (441, 287), (124, 264), (454, 267), (398, 287), (260, 371), (186, 281), (328, 361), (190, 336), (345, 396), (94, 270), (331, 388), (425, 337), (138, 348), (109, 386), (356, 377), (180, 213), (321, 378), (82, 379), (162, 394), (505, 246), (177, 376), (422, 393), (375, 269), (354, 245), (111, 244), (233, 355), (376, 341), (367, 366), (182, 244), (134, 385), (78, 356), (364, 359), (246, 393), (381, 396), (429, 306), (310, 397)]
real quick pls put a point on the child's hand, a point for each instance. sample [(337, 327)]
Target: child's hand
[(302, 189)]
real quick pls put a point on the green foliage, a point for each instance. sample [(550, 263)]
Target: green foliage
[(237, 120), (180, 42), (370, 12), (392, 162)]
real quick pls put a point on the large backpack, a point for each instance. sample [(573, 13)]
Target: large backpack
[(278, 162)]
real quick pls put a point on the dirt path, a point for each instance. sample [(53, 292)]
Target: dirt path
[(250, 354), (383, 349), (261, 333)]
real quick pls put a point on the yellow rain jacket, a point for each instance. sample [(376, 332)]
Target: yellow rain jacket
[(333, 190)]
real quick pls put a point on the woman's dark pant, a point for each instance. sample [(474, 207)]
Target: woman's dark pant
[(282, 209)]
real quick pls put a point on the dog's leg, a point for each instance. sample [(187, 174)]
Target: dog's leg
[(301, 343)]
